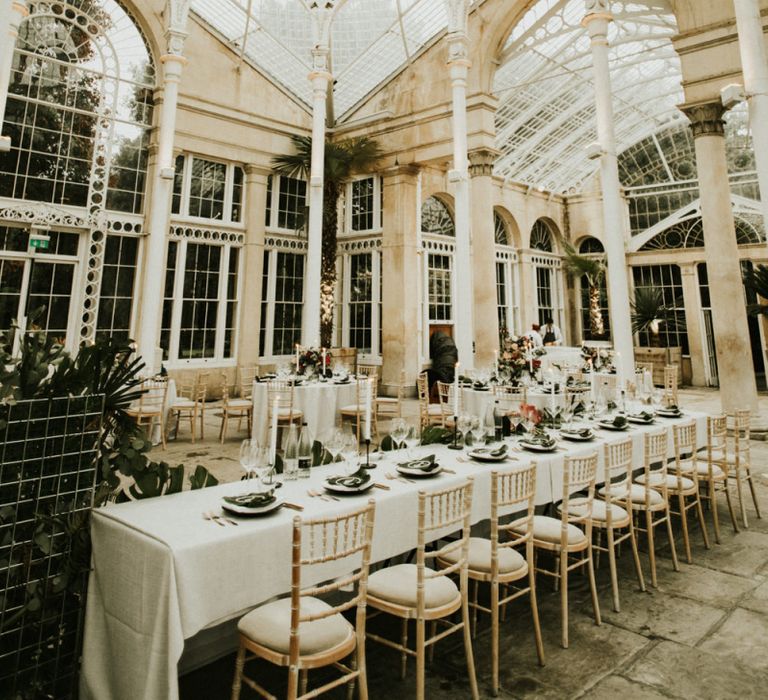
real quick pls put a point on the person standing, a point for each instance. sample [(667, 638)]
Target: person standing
[(550, 333), (535, 336)]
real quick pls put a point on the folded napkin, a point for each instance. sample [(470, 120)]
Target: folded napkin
[(350, 481), (480, 385), (619, 421), (252, 500), (425, 464), (643, 415), (583, 432), (543, 439), (499, 452)]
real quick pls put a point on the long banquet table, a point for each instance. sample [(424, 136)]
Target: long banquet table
[(161, 573)]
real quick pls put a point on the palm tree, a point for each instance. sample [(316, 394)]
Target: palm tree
[(342, 159), (756, 281), (649, 312), (591, 267)]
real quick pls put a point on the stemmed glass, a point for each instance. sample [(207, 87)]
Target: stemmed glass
[(412, 440), (247, 456), (349, 451), (262, 466), (464, 425), (334, 443), (514, 421), (478, 430), (398, 429)]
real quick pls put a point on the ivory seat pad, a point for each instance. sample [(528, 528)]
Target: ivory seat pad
[(636, 494), (353, 408), (548, 529), (655, 481), (183, 403), (702, 469), (397, 584), (480, 557), (242, 404), (270, 626), (599, 510)]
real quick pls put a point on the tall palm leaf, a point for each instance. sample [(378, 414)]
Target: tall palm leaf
[(756, 281), (342, 159), (592, 268), (649, 312)]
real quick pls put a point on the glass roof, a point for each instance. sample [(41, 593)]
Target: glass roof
[(370, 40), (546, 114)]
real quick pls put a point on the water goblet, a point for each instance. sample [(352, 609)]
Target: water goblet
[(463, 425), (477, 430), (398, 429), (334, 443), (349, 452), (262, 466), (413, 440), (247, 449)]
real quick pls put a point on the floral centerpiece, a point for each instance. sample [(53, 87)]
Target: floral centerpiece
[(516, 356), (597, 358), (311, 362)]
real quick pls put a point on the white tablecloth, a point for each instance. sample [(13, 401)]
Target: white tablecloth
[(562, 356), (318, 401), (476, 402), (162, 573)]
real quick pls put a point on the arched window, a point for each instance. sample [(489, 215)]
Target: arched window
[(500, 230), (590, 246), (80, 97), (436, 219), (541, 237)]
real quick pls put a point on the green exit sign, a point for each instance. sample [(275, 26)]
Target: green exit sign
[(39, 242)]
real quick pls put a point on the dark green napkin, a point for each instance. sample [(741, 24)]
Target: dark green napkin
[(252, 500)]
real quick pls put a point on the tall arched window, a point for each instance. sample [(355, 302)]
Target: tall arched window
[(507, 293), (591, 246), (79, 113), (541, 237), (438, 230), (549, 284)]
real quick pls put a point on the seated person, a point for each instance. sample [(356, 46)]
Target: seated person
[(535, 336), (551, 334)]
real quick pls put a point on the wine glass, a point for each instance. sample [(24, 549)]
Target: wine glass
[(247, 449), (398, 429), (349, 451), (413, 440), (262, 465), (478, 430), (463, 425), (514, 421), (334, 442)]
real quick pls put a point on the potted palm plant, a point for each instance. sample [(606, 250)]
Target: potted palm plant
[(649, 316), (592, 269), (342, 159)]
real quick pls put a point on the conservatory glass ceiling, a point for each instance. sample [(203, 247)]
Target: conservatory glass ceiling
[(546, 113)]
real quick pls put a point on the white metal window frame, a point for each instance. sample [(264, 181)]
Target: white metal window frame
[(218, 360), (554, 264), (345, 262), (186, 184), (268, 323), (273, 205), (435, 245), (136, 281), (346, 229), (78, 281), (509, 258)]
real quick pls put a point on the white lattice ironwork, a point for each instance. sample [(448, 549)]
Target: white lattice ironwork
[(206, 234), (294, 245), (546, 114), (364, 245), (438, 245)]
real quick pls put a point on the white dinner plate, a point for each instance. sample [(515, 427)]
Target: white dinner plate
[(341, 488), (485, 454), (610, 425), (245, 510), (640, 420), (666, 413), (417, 471), (535, 447)]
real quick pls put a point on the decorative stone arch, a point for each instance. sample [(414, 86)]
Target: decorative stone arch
[(439, 208), (500, 214), (589, 245)]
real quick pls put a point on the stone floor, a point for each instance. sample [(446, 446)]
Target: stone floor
[(702, 634)]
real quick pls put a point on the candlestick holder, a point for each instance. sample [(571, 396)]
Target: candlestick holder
[(367, 464), (455, 445)]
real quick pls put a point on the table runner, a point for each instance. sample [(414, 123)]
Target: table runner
[(162, 573)]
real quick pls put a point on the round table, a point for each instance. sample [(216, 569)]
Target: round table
[(320, 403)]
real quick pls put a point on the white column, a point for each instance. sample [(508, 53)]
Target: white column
[(159, 216), (320, 77), (754, 67), (459, 64), (12, 12), (596, 22)]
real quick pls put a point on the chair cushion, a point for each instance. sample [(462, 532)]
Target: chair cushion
[(547, 529), (702, 469), (435, 409), (270, 626), (284, 412), (578, 507), (655, 482), (239, 404), (397, 584), (353, 408), (183, 403), (480, 557), (636, 494)]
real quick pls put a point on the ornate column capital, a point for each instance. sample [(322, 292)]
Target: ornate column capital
[(481, 161), (256, 171), (706, 118)]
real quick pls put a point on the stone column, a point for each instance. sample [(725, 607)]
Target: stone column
[(310, 320), (12, 12), (693, 322), (754, 67), (159, 214), (729, 315), (249, 322), (484, 256), (459, 64), (400, 269), (596, 21), (528, 299)]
